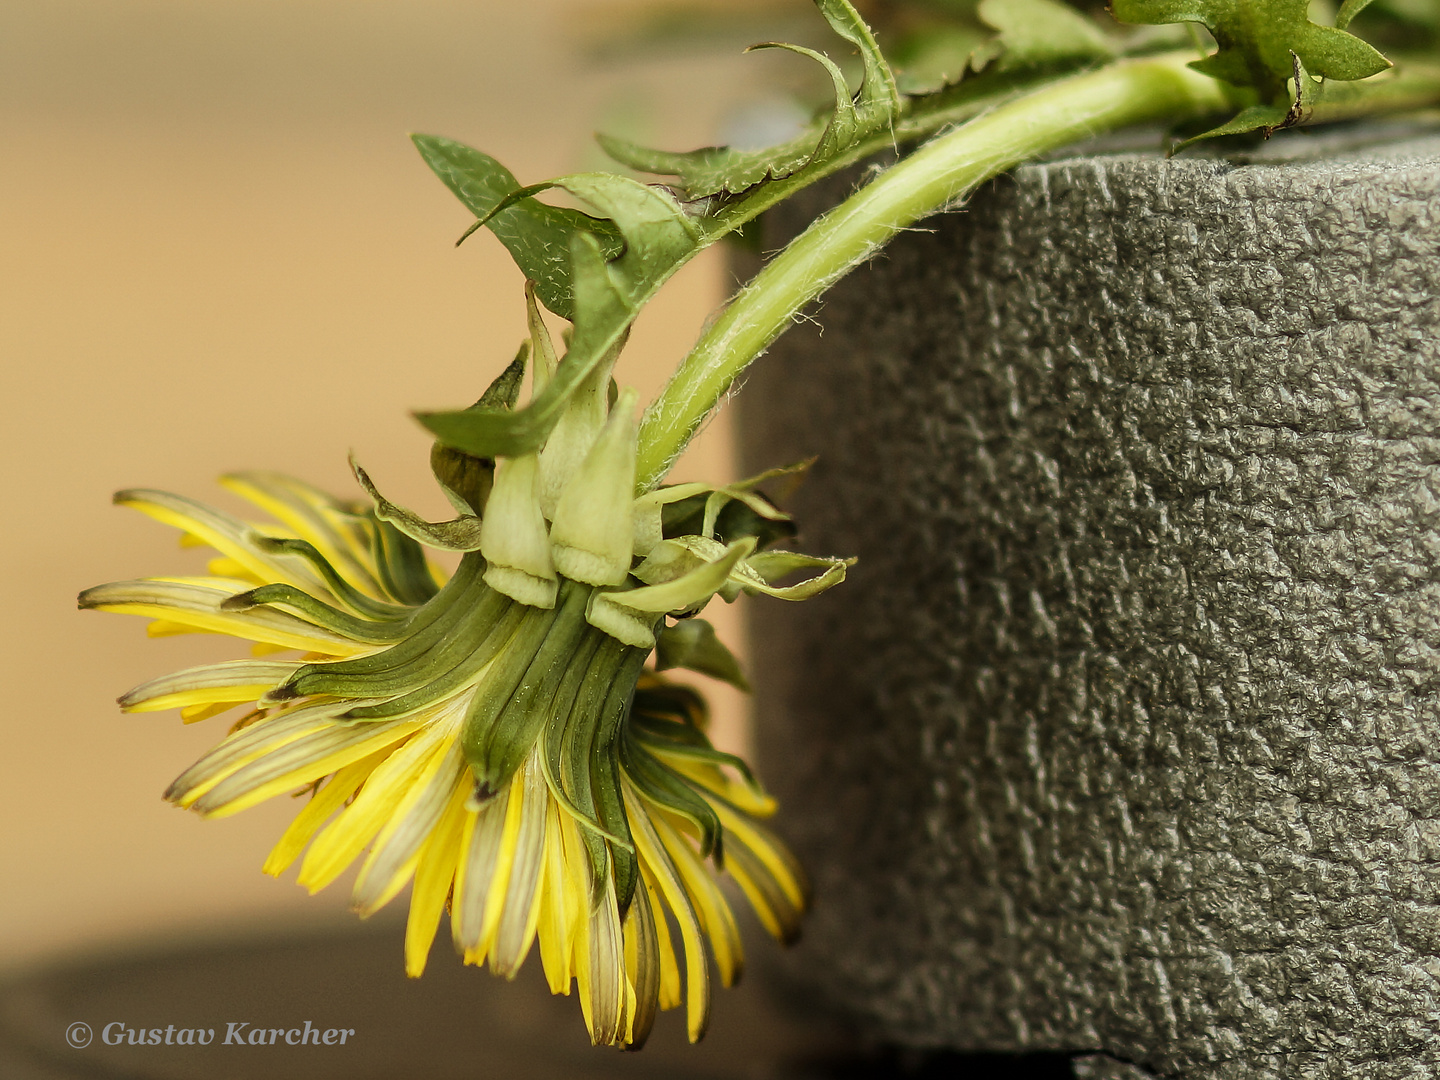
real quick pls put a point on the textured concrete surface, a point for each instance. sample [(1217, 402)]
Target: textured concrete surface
[(1124, 734)]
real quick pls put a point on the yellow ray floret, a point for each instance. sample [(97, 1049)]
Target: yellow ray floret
[(491, 738)]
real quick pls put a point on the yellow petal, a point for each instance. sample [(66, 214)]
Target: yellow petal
[(396, 850), (670, 996), (314, 517), (716, 918), (345, 837), (653, 856), (557, 921), (771, 852), (433, 879), (336, 792), (519, 908)]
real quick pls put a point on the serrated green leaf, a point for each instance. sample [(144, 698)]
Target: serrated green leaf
[(657, 232), (1269, 118), (538, 236), (719, 170), (1255, 118), (933, 57), (844, 119), (878, 99), (1257, 38), (875, 107), (1042, 33)]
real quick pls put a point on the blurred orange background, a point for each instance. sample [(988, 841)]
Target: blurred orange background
[(221, 252)]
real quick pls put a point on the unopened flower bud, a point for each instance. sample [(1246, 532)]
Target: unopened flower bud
[(513, 539), (592, 535)]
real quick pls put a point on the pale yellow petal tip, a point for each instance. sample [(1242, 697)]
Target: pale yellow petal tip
[(590, 567), (620, 622), (528, 589)]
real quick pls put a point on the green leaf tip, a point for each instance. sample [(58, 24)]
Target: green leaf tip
[(1348, 10), (537, 235)]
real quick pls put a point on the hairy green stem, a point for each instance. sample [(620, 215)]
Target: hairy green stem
[(934, 177)]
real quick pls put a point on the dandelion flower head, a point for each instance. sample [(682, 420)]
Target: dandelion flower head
[(494, 738)]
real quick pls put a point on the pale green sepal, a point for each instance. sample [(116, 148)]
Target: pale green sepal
[(461, 534), (755, 574), (671, 559), (692, 644), (649, 514), (542, 348), (758, 503), (743, 491), (575, 433), (798, 469), (528, 589), (630, 615), (592, 536), (513, 538)]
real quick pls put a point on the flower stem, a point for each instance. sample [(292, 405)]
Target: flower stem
[(934, 177)]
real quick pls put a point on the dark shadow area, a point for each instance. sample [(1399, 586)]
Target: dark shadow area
[(892, 1064), (144, 1016)]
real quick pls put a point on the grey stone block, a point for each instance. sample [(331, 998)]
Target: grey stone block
[(1124, 735)]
